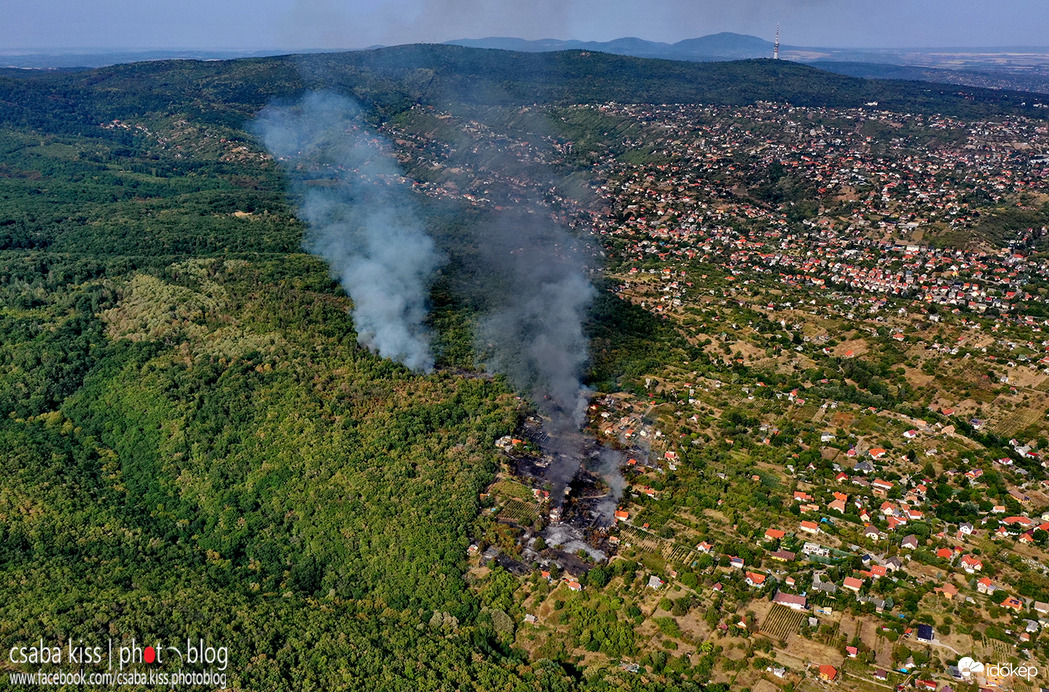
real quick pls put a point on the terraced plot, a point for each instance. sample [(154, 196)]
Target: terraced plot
[(781, 622), (519, 512), (645, 540), (1018, 420), (675, 552)]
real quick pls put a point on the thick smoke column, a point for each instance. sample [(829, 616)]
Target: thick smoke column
[(361, 219), (533, 330)]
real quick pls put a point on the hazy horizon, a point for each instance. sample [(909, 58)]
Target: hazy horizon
[(293, 25), (104, 50)]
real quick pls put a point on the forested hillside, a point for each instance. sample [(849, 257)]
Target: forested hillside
[(193, 443), (391, 79)]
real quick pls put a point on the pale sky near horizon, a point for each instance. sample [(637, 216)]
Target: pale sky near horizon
[(335, 24)]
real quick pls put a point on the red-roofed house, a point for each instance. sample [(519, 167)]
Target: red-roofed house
[(1014, 603), (948, 590), (881, 487), (790, 600)]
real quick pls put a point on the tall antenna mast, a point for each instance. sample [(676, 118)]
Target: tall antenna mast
[(775, 48)]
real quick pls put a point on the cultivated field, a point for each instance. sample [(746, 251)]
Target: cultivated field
[(781, 622), (519, 512)]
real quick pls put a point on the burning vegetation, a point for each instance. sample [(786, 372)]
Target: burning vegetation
[(573, 514)]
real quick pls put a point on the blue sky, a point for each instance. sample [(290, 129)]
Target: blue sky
[(301, 24)]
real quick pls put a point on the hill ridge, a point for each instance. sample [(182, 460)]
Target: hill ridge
[(392, 79)]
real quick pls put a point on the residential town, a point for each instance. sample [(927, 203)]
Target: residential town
[(835, 453)]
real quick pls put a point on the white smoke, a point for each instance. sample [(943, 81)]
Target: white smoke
[(538, 295), (570, 540), (609, 467), (361, 219)]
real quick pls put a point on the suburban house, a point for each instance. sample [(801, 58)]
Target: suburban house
[(853, 584), (949, 590), (755, 579), (985, 585), (1013, 603), (790, 600), (881, 487)]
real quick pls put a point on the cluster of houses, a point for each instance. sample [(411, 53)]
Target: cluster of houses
[(863, 247), (686, 210)]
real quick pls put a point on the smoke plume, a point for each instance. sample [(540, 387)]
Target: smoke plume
[(523, 270), (533, 329), (361, 219), (609, 467)]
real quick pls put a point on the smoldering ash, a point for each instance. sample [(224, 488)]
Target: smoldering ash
[(361, 219)]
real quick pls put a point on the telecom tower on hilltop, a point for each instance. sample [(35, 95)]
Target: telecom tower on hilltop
[(775, 46)]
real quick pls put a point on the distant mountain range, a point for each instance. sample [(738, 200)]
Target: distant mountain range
[(391, 80), (1018, 68), (69, 59), (716, 47), (1025, 69)]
